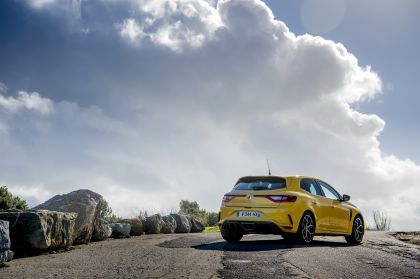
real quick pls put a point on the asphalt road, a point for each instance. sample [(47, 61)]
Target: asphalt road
[(208, 256)]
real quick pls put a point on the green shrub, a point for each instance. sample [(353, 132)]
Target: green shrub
[(8, 201)]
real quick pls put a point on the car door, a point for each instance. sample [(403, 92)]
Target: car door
[(339, 213), (320, 204), (342, 216)]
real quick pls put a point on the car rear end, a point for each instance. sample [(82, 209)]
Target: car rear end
[(259, 204)]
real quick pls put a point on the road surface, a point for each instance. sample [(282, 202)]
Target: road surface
[(208, 256)]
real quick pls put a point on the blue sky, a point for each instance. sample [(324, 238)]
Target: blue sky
[(152, 101)]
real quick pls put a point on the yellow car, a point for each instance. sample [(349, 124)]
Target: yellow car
[(296, 207)]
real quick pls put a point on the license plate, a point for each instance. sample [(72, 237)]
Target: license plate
[(248, 214)]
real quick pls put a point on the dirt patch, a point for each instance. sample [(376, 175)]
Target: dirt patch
[(409, 237)]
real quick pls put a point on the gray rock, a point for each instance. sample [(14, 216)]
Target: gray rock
[(4, 235), (34, 231), (101, 230), (196, 225), (5, 254), (168, 224), (120, 230), (85, 204), (153, 224), (136, 226), (182, 223)]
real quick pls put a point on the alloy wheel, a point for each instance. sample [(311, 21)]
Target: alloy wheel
[(358, 229), (307, 228)]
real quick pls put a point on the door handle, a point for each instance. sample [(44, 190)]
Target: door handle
[(314, 202)]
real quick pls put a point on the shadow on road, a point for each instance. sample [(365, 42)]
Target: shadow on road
[(264, 245)]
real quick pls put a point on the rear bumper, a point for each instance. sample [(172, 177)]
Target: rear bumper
[(247, 227), (283, 219)]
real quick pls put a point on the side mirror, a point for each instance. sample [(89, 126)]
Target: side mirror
[(345, 198)]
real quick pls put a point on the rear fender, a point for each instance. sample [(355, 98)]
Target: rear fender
[(303, 204)]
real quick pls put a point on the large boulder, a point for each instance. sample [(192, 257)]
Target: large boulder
[(182, 223), (83, 202), (120, 230), (34, 231), (196, 225), (153, 224), (101, 230), (168, 224), (136, 226), (5, 253)]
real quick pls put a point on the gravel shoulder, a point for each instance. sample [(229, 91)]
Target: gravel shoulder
[(208, 256), (410, 237)]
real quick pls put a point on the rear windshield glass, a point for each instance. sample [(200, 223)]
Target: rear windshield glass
[(264, 183)]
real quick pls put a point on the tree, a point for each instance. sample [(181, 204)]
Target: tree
[(382, 221), (212, 218), (8, 201), (105, 211), (192, 208)]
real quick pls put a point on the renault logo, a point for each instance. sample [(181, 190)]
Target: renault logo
[(249, 196)]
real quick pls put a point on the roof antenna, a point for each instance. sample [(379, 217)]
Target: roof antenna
[(268, 166)]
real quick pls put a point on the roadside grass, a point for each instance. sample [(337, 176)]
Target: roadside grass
[(211, 229)]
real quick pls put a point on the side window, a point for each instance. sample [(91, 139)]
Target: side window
[(329, 191), (309, 185)]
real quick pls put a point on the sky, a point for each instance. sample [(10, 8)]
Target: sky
[(148, 102)]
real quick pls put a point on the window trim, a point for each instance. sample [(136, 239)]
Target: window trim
[(317, 188), (330, 188)]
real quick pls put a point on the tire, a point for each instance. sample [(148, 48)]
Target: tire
[(232, 236), (306, 231), (357, 231)]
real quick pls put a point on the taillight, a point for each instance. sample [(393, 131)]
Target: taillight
[(282, 198)]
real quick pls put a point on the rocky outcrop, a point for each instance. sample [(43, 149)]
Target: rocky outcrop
[(136, 226), (85, 204), (120, 230), (168, 224), (182, 223), (101, 230), (196, 225), (5, 253), (34, 231), (153, 224)]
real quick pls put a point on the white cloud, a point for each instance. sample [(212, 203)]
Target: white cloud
[(131, 31), (31, 193), (236, 87), (172, 24), (29, 101), (39, 4)]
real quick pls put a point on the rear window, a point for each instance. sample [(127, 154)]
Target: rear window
[(262, 183)]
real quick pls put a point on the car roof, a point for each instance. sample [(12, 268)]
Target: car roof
[(279, 176)]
